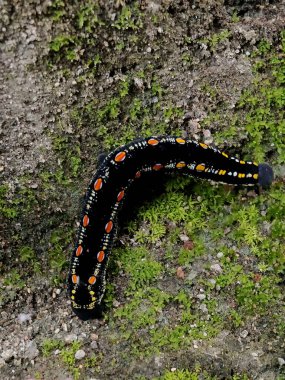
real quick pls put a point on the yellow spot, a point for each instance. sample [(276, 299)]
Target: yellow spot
[(222, 172), (242, 162), (255, 176), (93, 298), (92, 293), (200, 167), (241, 175), (225, 154), (180, 165), (205, 146), (255, 163), (72, 297), (180, 140), (73, 291)]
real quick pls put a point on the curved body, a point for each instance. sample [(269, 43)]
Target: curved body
[(107, 191)]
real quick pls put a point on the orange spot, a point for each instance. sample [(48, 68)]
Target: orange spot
[(180, 165), (98, 184), (205, 146), (120, 156), (109, 226), (200, 167), (85, 221), (74, 278), (138, 174), (180, 140), (153, 142), (79, 250), (121, 195), (92, 280), (100, 256), (157, 167)]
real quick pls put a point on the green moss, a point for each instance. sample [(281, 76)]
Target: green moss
[(14, 279), (8, 207), (215, 39), (129, 18), (260, 110), (48, 346), (57, 10)]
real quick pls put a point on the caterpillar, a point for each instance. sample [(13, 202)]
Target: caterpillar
[(107, 191)]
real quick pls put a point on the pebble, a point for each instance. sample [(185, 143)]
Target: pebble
[(70, 338), (244, 334), (23, 317), (201, 296), (80, 354), (281, 361), (183, 237), (220, 255), (94, 336), (7, 354), (94, 345), (31, 351), (216, 268), (192, 275), (180, 273)]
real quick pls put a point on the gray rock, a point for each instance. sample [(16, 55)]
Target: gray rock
[(80, 354), (31, 351)]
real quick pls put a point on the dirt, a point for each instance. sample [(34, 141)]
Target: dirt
[(34, 97)]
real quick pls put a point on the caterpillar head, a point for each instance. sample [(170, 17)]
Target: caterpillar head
[(265, 175)]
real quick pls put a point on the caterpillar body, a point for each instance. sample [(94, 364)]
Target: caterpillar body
[(107, 191)]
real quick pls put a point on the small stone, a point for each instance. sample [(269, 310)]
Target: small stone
[(116, 303), (148, 49), (94, 345), (183, 237), (201, 296), (203, 308), (180, 273), (80, 354), (23, 317), (220, 255), (138, 83), (188, 245), (94, 336), (173, 369), (244, 333), (31, 351), (216, 268), (281, 361), (7, 354), (70, 338), (192, 275)]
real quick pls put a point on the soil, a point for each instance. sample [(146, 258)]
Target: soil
[(34, 97)]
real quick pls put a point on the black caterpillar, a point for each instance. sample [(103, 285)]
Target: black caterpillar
[(107, 191)]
